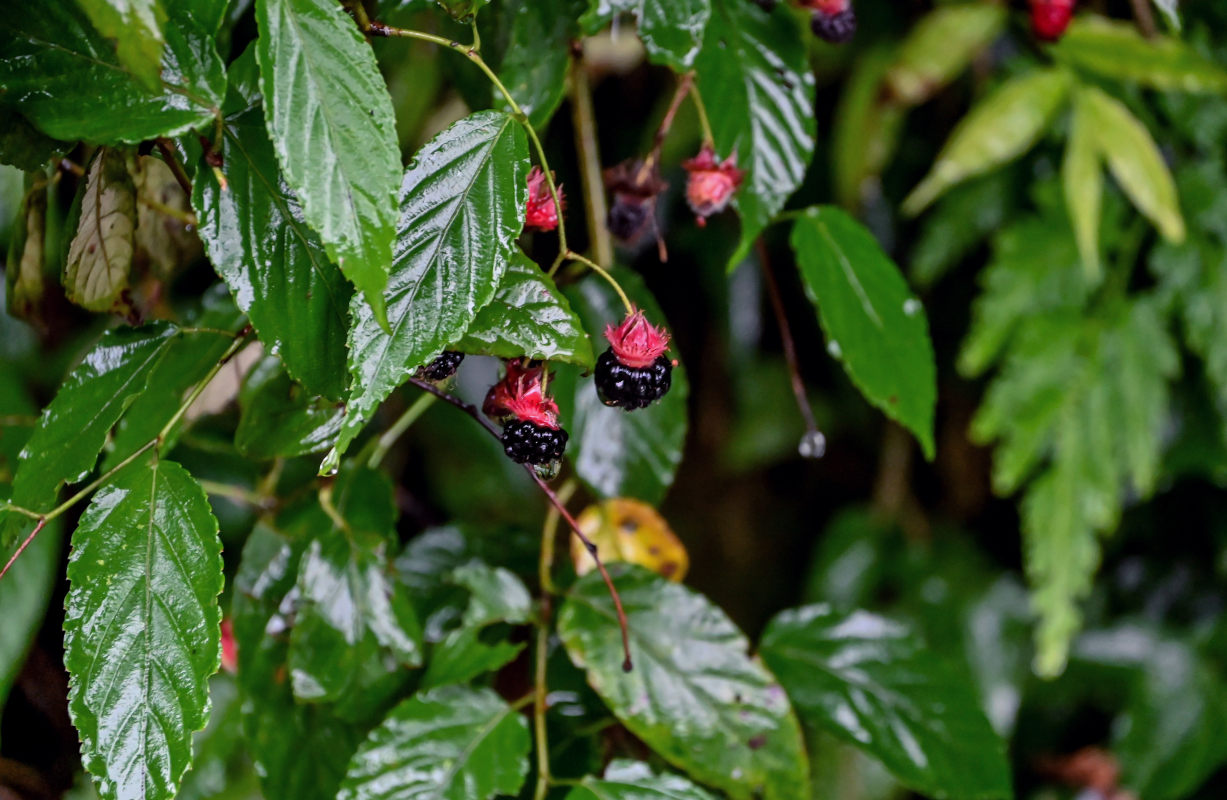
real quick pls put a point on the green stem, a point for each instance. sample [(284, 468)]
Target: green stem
[(599, 270), (545, 565), (239, 494), (385, 442), (185, 217), (235, 346), (701, 110), (590, 163)]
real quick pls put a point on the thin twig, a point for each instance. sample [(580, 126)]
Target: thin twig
[(790, 347), (599, 270), (589, 152), (493, 430), (41, 522), (389, 437), (239, 494), (662, 132), (185, 217), (1144, 18), (545, 564), (172, 161)]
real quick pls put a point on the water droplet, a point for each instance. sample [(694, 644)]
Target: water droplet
[(911, 306), (813, 445), (834, 349)]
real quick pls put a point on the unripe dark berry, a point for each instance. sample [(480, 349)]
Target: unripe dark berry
[(443, 367), (526, 442), (835, 28), (627, 216), (631, 387)]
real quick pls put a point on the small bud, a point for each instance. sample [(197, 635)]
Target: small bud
[(541, 215), (710, 184), (635, 187), (1050, 18)]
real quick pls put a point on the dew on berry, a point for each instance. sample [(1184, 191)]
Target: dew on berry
[(813, 445), (834, 349)]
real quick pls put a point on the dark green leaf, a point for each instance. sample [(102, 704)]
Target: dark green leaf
[(141, 631), (528, 317), (462, 10), (671, 30), (66, 78), (451, 743), (1117, 49), (272, 262), (940, 46), (331, 121), (620, 453), (874, 326), (694, 696), (755, 73), (872, 683), (24, 595), (462, 205), (281, 418), (136, 28), (100, 256), (633, 780), (23, 146), (527, 42)]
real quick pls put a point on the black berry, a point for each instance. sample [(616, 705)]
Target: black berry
[(631, 387), (627, 217), (525, 441), (835, 28), (443, 367)]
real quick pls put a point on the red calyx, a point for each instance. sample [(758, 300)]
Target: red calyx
[(711, 183), (828, 7), (1050, 18), (636, 342), (541, 214), (230, 648), (520, 395)]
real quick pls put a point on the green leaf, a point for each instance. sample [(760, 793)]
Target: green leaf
[(671, 30), (100, 256), (23, 146), (141, 633), (754, 68), (451, 743), (959, 222), (66, 78), (73, 427), (282, 419), (634, 780), (331, 121), (462, 206), (1117, 49), (527, 44), (874, 326), (462, 10), (694, 696), (164, 242), (136, 28), (615, 452), (25, 594), (1134, 159), (866, 128), (998, 129), (872, 683), (1082, 178), (272, 262), (940, 46), (26, 256), (528, 317)]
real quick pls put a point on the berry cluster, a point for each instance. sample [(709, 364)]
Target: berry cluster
[(634, 373), (531, 434), (443, 367)]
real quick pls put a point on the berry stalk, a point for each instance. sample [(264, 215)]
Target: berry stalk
[(599, 270)]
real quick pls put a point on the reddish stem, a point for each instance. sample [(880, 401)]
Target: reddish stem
[(41, 522), (790, 348)]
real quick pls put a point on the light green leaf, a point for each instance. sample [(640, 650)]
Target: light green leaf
[(1082, 178), (875, 685), (528, 317), (451, 743), (141, 633), (334, 131), (1116, 49), (866, 128), (671, 30), (694, 696), (755, 66), (136, 28), (875, 328), (462, 206), (1134, 159), (27, 253), (634, 780), (998, 129), (100, 256), (940, 46), (271, 260)]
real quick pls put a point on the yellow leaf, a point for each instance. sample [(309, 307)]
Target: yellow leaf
[(628, 530)]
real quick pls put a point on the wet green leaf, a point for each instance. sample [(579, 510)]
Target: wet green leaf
[(136, 28), (100, 256), (330, 119), (141, 631), (872, 683), (462, 205), (1117, 49), (451, 743), (875, 328), (998, 129), (671, 30), (281, 418), (528, 317), (694, 696), (527, 42), (23, 146), (634, 780), (940, 46)]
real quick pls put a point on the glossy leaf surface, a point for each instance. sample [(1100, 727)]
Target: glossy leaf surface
[(634, 780), (756, 63), (671, 30), (136, 28), (281, 418), (462, 205), (451, 743), (695, 696), (875, 327), (528, 317), (141, 631), (872, 683), (330, 119)]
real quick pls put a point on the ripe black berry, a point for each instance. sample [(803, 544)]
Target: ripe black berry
[(525, 441), (627, 217), (443, 367), (631, 387), (835, 28)]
